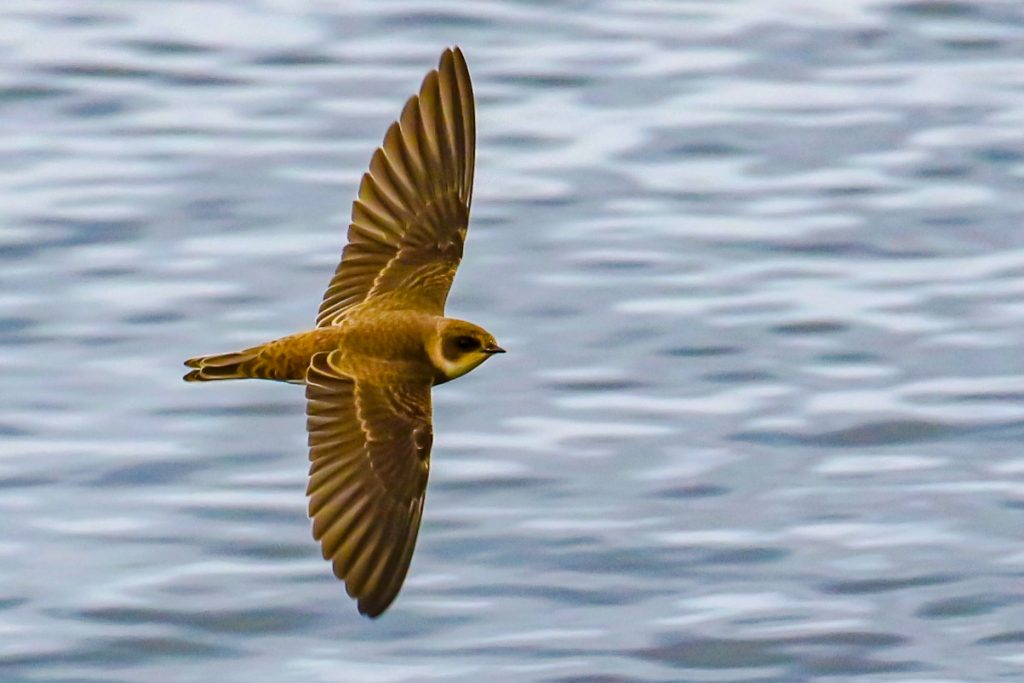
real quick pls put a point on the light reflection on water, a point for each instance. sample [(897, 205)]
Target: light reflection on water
[(758, 266)]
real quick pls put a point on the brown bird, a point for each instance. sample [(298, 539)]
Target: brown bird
[(381, 341)]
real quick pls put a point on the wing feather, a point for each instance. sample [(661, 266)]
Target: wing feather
[(410, 219), (370, 453)]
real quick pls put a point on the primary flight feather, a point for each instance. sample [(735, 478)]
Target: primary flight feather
[(381, 341)]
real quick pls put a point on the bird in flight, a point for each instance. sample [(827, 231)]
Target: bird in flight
[(382, 341)]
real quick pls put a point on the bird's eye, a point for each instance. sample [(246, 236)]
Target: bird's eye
[(466, 343)]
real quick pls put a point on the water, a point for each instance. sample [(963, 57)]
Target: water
[(759, 266)]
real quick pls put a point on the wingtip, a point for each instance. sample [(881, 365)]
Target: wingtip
[(453, 53), (371, 611), (460, 60)]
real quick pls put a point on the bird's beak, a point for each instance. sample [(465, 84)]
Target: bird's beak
[(493, 348)]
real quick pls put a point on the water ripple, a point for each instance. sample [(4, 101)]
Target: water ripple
[(757, 265)]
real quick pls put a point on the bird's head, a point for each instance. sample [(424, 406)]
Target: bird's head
[(459, 347)]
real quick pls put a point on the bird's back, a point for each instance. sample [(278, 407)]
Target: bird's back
[(380, 346)]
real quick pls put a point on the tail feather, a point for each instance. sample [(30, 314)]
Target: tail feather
[(220, 366)]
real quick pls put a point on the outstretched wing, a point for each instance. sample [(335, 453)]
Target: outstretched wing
[(370, 452), (409, 222)]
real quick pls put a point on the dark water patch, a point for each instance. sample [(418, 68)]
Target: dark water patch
[(875, 586), (551, 311), (693, 197), (602, 679), (527, 142), (942, 172), (438, 19), (96, 231), (701, 351), (744, 556), (490, 483), (96, 341), (871, 434), (251, 621), (808, 327), (572, 553), (1005, 638), (15, 94), (79, 19), (852, 357), (555, 202), (65, 233), (11, 430), (596, 385), (198, 79), (949, 221), (973, 44), (158, 47), (626, 336), (155, 318), (25, 482), (738, 377), (840, 249), (705, 149), (966, 606), (247, 513), (693, 491), (611, 265), (1006, 431), (262, 551), (853, 665), (160, 473), (293, 58), (207, 209), (999, 155), (489, 551), (846, 191), (11, 603), (108, 273), (708, 653), (981, 397), (245, 459), (519, 652), (564, 81), (227, 301), (126, 651), (935, 9), (676, 143), (848, 654), (96, 108), (647, 563), (558, 594), (117, 72)]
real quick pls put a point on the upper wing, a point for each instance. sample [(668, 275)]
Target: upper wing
[(370, 453), (409, 222)]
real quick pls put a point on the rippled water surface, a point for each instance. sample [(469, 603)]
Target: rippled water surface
[(759, 264)]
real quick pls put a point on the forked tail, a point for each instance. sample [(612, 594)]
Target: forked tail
[(221, 366)]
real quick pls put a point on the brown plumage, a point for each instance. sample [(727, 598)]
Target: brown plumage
[(382, 341)]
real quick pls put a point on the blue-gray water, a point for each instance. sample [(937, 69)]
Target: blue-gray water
[(759, 266)]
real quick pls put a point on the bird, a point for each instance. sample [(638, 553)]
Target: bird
[(382, 341)]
